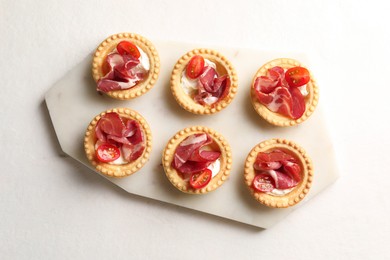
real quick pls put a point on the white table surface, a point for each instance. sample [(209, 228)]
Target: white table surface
[(52, 207)]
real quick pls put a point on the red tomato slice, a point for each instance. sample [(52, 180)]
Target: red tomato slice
[(107, 153), (263, 183), (199, 180), (293, 169), (297, 76), (125, 47), (195, 67)]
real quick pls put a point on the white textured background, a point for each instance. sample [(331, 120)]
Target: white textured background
[(53, 208)]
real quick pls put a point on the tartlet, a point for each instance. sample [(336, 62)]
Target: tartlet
[(310, 100), (109, 45), (129, 167), (222, 66), (219, 144), (295, 194)]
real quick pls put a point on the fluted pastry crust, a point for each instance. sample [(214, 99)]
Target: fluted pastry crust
[(275, 118), (225, 159), (224, 67), (108, 45), (298, 192), (113, 170)]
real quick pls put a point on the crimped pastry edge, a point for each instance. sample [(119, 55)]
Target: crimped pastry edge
[(112, 170), (275, 118), (187, 102), (216, 181), (147, 46), (299, 192)]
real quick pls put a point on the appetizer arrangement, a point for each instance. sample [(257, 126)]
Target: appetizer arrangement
[(125, 66), (284, 92), (203, 81), (197, 160)]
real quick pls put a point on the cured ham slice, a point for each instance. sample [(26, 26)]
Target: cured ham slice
[(135, 137), (204, 156), (275, 78), (109, 124), (264, 166), (298, 103), (132, 152), (279, 101), (187, 147), (191, 167), (211, 87), (271, 161), (207, 79), (125, 71), (282, 181), (117, 140), (275, 155), (127, 135), (281, 166), (274, 92), (292, 169), (191, 155)]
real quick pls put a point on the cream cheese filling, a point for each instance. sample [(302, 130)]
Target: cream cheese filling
[(215, 167)]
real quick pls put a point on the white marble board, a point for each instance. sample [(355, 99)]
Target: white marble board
[(73, 102)]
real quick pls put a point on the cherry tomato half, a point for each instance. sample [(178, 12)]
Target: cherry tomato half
[(297, 76), (195, 67), (125, 47), (263, 183), (199, 180), (107, 153)]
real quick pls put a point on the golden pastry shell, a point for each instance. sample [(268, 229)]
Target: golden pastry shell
[(217, 180), (113, 170), (224, 66), (299, 192), (311, 99), (108, 45)]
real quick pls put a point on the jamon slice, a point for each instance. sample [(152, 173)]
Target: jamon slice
[(132, 152), (207, 79), (281, 166), (109, 124), (125, 71), (133, 132), (191, 157), (282, 181), (279, 101), (264, 84), (298, 103), (275, 155), (187, 147), (271, 161), (203, 97), (128, 136), (211, 88), (292, 169), (136, 146), (265, 166), (191, 167), (117, 140), (274, 78), (274, 92), (204, 156)]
